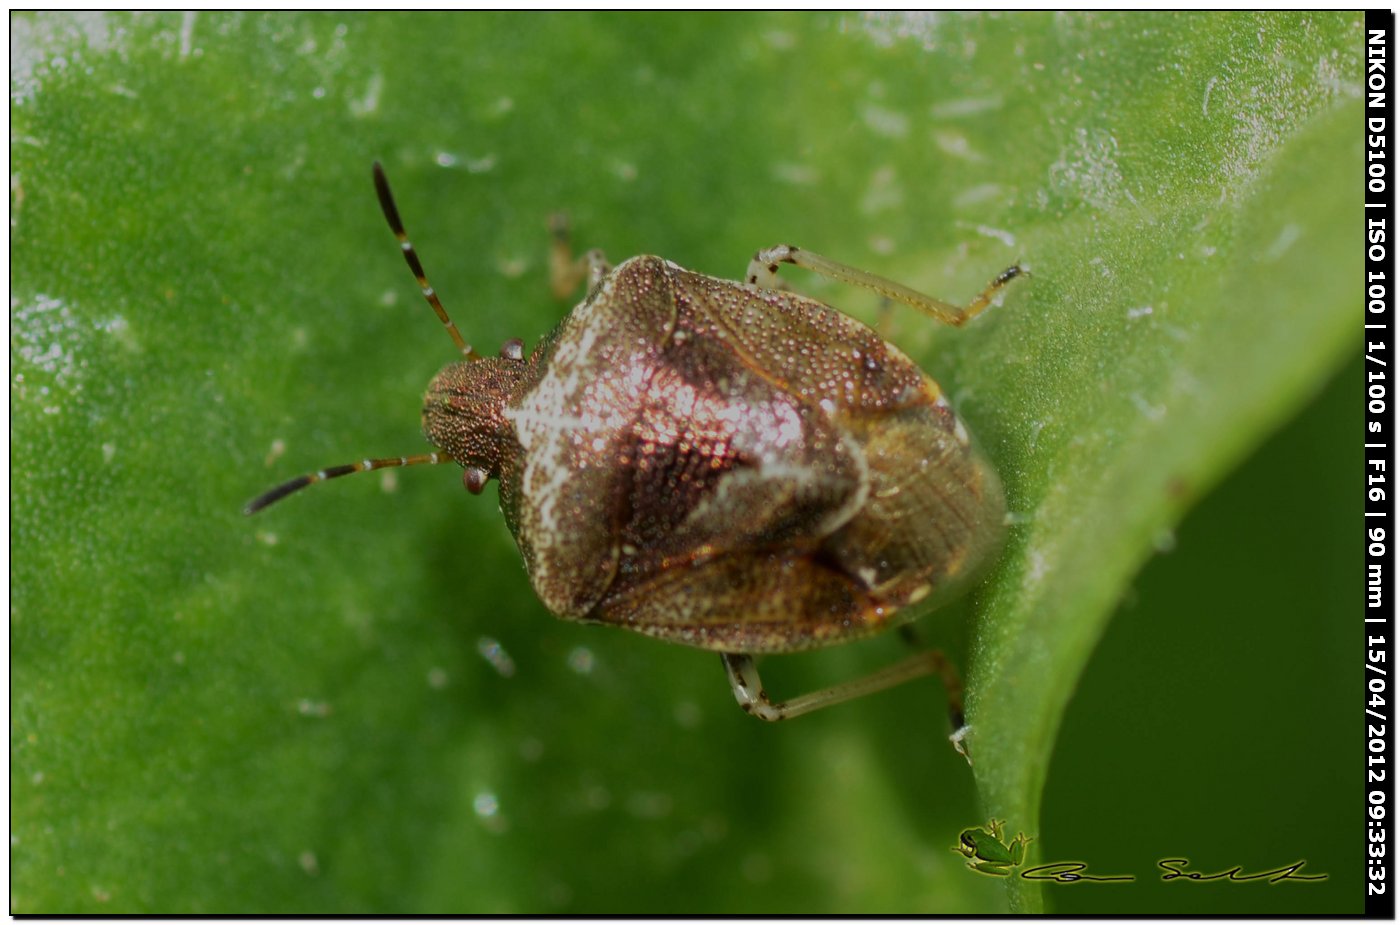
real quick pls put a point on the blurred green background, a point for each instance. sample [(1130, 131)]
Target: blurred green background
[(353, 703)]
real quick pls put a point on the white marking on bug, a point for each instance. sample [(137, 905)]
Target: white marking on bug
[(960, 431), (495, 654), (545, 428), (919, 593), (861, 495), (321, 475)]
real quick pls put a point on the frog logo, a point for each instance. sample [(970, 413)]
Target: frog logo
[(986, 851)]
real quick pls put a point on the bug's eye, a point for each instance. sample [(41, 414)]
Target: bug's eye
[(474, 479), (513, 349)]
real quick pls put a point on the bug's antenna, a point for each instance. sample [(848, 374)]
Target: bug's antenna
[(391, 212), (335, 472)]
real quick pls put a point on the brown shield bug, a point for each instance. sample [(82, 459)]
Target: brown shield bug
[(721, 464)]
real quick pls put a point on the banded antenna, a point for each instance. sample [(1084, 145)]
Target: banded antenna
[(335, 472), (391, 213)]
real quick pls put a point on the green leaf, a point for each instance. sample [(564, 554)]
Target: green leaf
[(353, 703)]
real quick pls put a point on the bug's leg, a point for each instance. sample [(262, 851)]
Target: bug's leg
[(763, 271), (748, 687), (952, 683), (565, 270)]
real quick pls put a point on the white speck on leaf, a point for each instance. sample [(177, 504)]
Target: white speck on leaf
[(1288, 235)]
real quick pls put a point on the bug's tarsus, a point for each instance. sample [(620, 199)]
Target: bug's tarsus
[(391, 214), (753, 697), (335, 472)]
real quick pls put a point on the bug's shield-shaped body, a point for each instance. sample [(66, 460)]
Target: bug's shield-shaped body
[(735, 468)]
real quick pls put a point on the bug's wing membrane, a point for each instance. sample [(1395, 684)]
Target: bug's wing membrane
[(934, 512)]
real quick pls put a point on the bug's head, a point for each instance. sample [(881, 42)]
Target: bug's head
[(464, 413), (464, 409)]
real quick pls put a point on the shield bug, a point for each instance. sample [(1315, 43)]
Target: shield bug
[(725, 465)]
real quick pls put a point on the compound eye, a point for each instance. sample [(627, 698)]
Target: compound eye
[(513, 349), (474, 479)]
